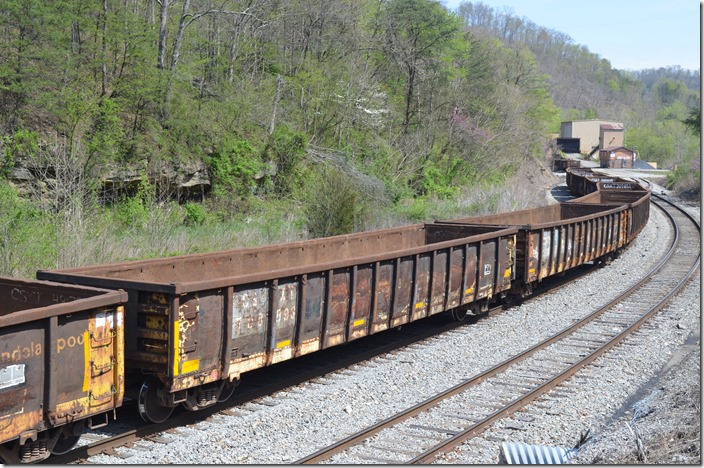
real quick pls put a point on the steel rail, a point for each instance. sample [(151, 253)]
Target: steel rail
[(531, 396), (355, 439)]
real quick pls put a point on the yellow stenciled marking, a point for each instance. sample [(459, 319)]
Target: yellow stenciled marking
[(357, 323), (190, 366), (507, 273), (177, 329), (86, 361), (532, 270), (284, 343), (420, 305), (469, 291)]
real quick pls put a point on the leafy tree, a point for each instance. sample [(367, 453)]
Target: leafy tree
[(107, 136), (417, 34), (286, 149), (694, 121)]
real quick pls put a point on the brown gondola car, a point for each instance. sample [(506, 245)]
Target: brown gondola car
[(583, 181), (599, 189), (61, 365), (555, 238), (197, 322)]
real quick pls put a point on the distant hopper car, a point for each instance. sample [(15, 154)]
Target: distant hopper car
[(195, 324)]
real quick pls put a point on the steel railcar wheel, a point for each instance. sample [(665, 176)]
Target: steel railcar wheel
[(150, 406), (68, 439), (459, 314)]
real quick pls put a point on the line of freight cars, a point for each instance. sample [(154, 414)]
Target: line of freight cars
[(182, 330)]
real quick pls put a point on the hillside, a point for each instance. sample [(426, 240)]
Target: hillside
[(142, 128)]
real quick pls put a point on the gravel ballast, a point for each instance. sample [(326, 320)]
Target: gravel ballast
[(291, 424)]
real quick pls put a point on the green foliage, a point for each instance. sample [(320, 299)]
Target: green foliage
[(195, 214), (694, 121), (415, 209), (286, 149), (405, 92), (685, 177), (667, 91), (23, 144), (439, 180), (667, 141), (108, 138), (333, 204), (234, 170), (25, 235), (131, 213)]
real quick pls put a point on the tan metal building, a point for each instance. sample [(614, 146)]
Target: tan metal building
[(589, 133), (610, 135), (616, 157)]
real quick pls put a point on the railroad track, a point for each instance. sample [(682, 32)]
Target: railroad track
[(440, 423)]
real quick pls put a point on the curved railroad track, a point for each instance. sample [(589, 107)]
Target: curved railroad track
[(440, 423)]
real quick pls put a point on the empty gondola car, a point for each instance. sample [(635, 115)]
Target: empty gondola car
[(555, 238), (583, 181), (61, 365), (605, 190), (197, 322)]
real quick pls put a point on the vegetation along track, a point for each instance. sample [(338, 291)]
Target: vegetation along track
[(436, 425)]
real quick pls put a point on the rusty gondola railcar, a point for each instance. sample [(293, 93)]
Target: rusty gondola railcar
[(555, 238), (61, 365), (583, 181), (599, 189), (197, 322)]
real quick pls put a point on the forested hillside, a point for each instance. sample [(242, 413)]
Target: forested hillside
[(653, 104), (135, 128)]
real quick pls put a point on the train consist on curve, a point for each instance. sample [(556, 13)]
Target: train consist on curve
[(182, 330)]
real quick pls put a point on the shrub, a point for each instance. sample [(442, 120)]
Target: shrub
[(195, 214), (286, 148), (24, 143), (334, 205), (234, 169)]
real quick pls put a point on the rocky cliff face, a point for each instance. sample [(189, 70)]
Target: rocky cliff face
[(182, 181)]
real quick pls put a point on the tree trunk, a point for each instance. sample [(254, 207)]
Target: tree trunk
[(163, 15), (279, 86), (179, 34), (104, 84), (409, 97)]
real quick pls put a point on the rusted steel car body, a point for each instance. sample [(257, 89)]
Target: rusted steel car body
[(61, 364), (615, 191), (198, 319), (555, 238), (583, 181)]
